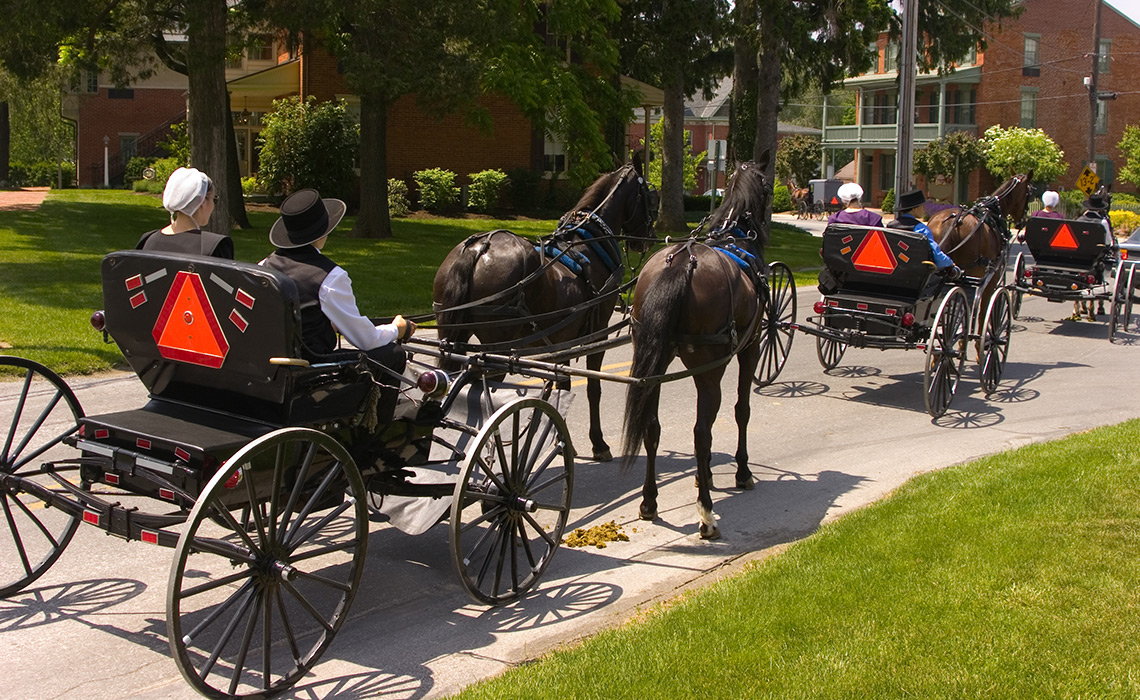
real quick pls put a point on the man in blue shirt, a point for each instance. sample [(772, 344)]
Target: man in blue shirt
[(908, 207)]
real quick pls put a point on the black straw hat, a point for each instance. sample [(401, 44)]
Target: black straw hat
[(1096, 202), (305, 218), (910, 200)]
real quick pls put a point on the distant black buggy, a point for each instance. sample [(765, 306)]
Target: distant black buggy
[(881, 290), (245, 462), (1071, 260)]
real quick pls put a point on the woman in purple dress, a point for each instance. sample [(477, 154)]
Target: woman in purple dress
[(1050, 199), (853, 212)]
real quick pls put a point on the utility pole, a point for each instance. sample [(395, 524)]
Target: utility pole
[(904, 158), (1094, 94)]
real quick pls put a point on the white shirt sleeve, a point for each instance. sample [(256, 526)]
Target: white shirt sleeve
[(339, 304)]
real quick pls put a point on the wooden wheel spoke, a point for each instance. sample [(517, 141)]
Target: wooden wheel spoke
[(303, 536), (333, 471), (227, 633), (216, 583), (320, 552), (224, 515), (344, 587), (538, 528), (300, 598), (555, 452), (287, 625), (19, 542), (223, 548), (35, 427), (16, 415), (243, 649), (495, 512), (295, 493)]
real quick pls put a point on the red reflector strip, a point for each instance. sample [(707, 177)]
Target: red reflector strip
[(101, 433), (149, 536), (847, 239), (91, 517), (83, 431), (832, 302), (142, 443), (111, 478), (166, 493), (134, 283), (903, 245), (237, 320), (138, 300), (892, 312), (861, 307), (244, 299), (181, 454)]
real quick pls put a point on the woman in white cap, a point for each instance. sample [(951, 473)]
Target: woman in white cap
[(853, 212), (189, 197), (1050, 200)]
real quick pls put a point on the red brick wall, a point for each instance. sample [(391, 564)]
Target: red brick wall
[(101, 116)]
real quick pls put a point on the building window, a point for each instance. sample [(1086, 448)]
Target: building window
[(128, 147), (960, 106), (1105, 169), (121, 93), (1028, 107), (873, 50), (970, 58), (92, 81), (553, 155), (1104, 58), (886, 171), (261, 48), (1031, 63), (932, 109), (891, 57), (1101, 117)]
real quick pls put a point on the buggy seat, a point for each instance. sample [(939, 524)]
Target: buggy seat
[(876, 261), (1068, 244)]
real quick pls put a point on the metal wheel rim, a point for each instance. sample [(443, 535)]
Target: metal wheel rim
[(44, 412), (1129, 298), (512, 501), (829, 352), (775, 334), (283, 576), (943, 361), (1114, 306), (1018, 276), (996, 332)]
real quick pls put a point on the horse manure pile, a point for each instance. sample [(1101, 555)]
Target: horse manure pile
[(596, 536)]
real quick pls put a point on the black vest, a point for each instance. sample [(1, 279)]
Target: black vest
[(308, 270), (195, 242), (901, 225)]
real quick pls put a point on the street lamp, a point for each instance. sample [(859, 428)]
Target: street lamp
[(106, 162)]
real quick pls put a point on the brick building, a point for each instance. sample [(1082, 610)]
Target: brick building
[(114, 125), (1031, 74)]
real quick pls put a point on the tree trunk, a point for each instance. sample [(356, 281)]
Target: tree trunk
[(672, 214), (206, 72), (233, 173), (745, 75), (768, 92), (372, 221), (5, 142)]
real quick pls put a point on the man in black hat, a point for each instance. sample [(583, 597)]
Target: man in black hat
[(327, 302), (907, 208), (1096, 209)]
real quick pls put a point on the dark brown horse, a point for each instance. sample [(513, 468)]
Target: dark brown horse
[(704, 305), (976, 238), (512, 292)]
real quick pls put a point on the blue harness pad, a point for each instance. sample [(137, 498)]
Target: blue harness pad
[(737, 255), (596, 246), (570, 258)]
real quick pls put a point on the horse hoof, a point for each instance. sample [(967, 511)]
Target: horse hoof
[(710, 532), (647, 513), (745, 484), (603, 456)]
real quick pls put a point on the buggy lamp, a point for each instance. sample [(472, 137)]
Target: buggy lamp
[(908, 319), (1073, 286), (1124, 254), (1090, 279), (1028, 272), (98, 320), (433, 383), (819, 306)]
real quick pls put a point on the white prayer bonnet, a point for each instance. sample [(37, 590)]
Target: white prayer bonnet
[(1050, 198), (849, 191), (185, 192)]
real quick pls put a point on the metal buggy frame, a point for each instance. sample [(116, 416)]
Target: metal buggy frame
[(251, 464), (882, 292)]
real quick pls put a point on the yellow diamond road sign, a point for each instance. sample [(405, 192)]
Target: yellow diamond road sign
[(1088, 181)]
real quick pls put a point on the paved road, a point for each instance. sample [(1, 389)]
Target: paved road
[(821, 444)]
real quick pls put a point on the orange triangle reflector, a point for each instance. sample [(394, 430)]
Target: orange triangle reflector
[(834, 200), (874, 255), (187, 329), (1064, 239)]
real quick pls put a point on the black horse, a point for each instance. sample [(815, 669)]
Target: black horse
[(511, 292), (702, 300)]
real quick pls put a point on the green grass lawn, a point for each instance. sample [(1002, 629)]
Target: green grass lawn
[(49, 266), (1014, 576)]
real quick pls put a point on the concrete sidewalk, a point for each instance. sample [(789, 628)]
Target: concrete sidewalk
[(24, 199)]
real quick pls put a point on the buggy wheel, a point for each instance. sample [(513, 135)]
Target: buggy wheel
[(1129, 296), (1018, 278), (512, 500), (829, 352), (252, 607), (1120, 291), (946, 352), (996, 329), (776, 332), (36, 413)]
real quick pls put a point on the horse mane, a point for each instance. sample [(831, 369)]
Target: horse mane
[(596, 192), (744, 194)]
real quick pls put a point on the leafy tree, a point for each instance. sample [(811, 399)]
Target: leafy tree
[(690, 161), (308, 144), (675, 44), (954, 155), (1016, 150), (798, 159), (1130, 147)]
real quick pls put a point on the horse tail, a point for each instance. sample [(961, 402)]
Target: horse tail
[(455, 292), (653, 349)]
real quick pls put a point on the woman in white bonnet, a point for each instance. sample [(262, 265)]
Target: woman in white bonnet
[(189, 197), (1050, 199), (850, 194)]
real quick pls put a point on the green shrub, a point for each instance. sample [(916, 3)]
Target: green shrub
[(135, 168), (889, 202), (177, 146), (781, 198), (437, 190), (1125, 198), (486, 190), (522, 188), (40, 174), (1124, 222), (309, 144), (398, 198), (251, 185), (1071, 201)]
